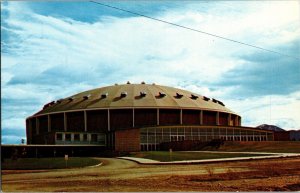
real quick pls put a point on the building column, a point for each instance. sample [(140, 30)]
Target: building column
[(108, 120), (157, 116), (180, 116), (201, 117), (65, 121), (236, 120), (85, 121), (259, 136), (133, 117), (217, 118), (229, 119)]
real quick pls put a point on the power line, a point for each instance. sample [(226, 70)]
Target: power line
[(195, 30)]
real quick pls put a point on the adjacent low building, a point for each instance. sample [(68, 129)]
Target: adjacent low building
[(135, 117)]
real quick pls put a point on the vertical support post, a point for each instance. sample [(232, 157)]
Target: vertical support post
[(49, 123), (157, 116), (180, 116), (65, 121), (147, 144), (201, 117), (226, 134), (108, 120), (217, 118), (229, 119), (259, 136), (155, 139), (133, 117), (85, 121)]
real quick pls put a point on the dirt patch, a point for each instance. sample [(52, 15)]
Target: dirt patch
[(122, 175)]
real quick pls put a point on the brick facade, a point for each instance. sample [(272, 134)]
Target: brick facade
[(127, 140)]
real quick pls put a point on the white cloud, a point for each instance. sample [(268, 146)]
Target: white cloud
[(279, 110)]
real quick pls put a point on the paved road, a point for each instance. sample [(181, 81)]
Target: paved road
[(112, 169)]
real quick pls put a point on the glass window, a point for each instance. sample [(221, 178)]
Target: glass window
[(173, 131), (76, 137), (59, 136), (101, 139), (85, 137), (180, 131), (143, 138), (94, 137), (68, 137)]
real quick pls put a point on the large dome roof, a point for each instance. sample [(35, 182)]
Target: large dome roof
[(135, 96)]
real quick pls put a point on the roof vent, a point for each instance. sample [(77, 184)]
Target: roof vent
[(87, 96), (128, 82), (143, 93), (71, 98), (206, 98), (162, 94), (59, 101), (214, 100), (123, 94), (221, 103), (48, 104), (143, 82), (194, 97), (116, 84), (104, 95), (179, 96)]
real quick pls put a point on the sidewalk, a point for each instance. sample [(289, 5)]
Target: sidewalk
[(270, 156)]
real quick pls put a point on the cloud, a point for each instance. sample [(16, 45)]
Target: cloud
[(280, 110), (48, 54), (265, 74)]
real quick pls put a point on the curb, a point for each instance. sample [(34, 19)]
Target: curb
[(154, 162)]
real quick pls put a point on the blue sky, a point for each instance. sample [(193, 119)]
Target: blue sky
[(51, 50)]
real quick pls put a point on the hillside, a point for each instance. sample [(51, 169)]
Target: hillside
[(270, 127)]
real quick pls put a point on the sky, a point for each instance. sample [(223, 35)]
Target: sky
[(52, 50)]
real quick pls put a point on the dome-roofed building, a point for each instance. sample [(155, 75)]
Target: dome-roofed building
[(133, 117)]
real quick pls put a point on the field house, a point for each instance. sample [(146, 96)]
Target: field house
[(136, 117)]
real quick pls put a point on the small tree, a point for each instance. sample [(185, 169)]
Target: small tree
[(22, 141)]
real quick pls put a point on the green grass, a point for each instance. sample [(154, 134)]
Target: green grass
[(262, 146), (165, 156), (47, 163)]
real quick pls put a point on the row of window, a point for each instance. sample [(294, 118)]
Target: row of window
[(155, 146), (159, 135), (80, 137)]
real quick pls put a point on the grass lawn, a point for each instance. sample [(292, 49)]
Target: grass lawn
[(262, 146), (165, 156), (47, 163)]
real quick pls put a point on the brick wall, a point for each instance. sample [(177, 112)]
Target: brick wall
[(127, 140), (282, 136)]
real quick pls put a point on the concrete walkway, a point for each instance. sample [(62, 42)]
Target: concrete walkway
[(267, 156)]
